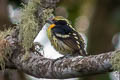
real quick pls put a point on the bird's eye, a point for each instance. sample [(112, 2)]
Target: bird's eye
[(54, 21)]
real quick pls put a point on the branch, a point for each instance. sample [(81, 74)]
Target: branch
[(71, 67), (41, 67)]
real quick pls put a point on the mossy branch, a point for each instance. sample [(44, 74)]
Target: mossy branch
[(67, 67), (116, 61), (5, 50)]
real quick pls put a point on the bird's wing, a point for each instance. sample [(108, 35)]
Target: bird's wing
[(72, 40), (76, 43), (69, 37)]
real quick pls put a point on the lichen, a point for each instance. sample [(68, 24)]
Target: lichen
[(29, 24), (116, 61), (5, 50), (47, 13)]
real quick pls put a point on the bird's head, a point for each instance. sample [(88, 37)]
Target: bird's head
[(58, 20)]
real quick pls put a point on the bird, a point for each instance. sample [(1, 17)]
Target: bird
[(64, 38)]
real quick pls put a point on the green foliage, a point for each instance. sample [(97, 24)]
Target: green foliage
[(116, 61)]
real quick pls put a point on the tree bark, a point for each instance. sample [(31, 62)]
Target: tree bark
[(61, 68)]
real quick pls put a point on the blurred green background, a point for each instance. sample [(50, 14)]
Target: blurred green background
[(97, 20)]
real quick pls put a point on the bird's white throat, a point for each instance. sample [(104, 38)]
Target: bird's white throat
[(49, 51)]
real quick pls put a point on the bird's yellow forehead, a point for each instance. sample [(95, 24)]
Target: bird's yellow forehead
[(58, 18), (51, 26)]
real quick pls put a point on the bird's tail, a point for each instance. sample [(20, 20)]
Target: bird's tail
[(82, 52)]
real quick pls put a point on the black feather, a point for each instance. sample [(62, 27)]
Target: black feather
[(60, 22), (62, 29)]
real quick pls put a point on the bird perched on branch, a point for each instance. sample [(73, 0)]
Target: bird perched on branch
[(64, 38)]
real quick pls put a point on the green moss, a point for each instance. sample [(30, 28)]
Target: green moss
[(29, 27), (116, 61), (47, 13), (29, 24), (5, 50)]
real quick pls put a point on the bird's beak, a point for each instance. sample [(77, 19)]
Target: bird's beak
[(49, 22)]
